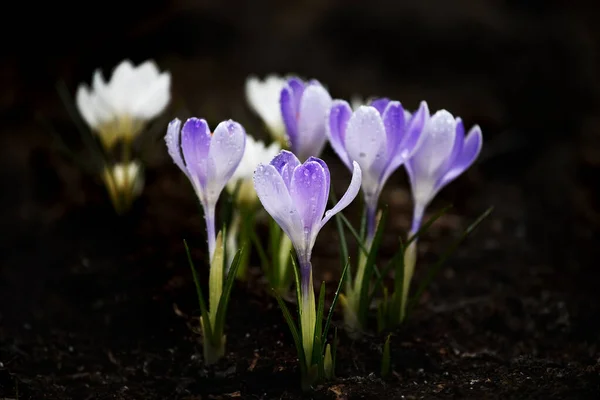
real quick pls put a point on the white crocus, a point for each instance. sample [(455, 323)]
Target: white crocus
[(119, 108), (124, 182), (256, 152), (263, 98)]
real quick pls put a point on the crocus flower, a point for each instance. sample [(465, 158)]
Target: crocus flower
[(207, 159), (119, 108), (380, 138), (295, 195), (444, 154), (304, 108), (263, 98), (255, 153), (124, 182)]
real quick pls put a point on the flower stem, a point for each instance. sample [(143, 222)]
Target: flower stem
[(209, 217), (308, 312), (410, 259)]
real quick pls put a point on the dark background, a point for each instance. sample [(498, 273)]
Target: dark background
[(526, 71)]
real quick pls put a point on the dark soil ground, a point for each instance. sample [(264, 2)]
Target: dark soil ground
[(95, 306)]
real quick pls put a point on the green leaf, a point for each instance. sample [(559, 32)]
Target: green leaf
[(215, 280), (364, 302), (293, 329), (357, 237), (445, 256), (333, 303), (262, 255), (320, 309), (297, 279), (203, 310), (342, 235), (224, 301), (386, 359)]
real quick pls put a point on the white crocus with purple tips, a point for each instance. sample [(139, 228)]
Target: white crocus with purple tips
[(304, 107), (380, 138), (296, 195), (208, 160), (444, 154)]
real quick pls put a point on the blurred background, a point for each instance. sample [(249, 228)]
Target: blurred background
[(526, 71)]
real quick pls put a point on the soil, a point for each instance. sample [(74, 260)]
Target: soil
[(96, 306)]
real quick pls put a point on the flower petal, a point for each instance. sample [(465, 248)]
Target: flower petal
[(85, 105), (438, 142), (289, 112), (276, 199), (263, 98), (310, 190), (380, 104), (224, 156), (195, 144), (468, 155), (173, 141), (285, 163), (337, 121), (312, 135), (347, 198), (154, 98), (393, 120), (366, 144)]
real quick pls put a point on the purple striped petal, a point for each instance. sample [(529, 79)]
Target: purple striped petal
[(310, 191), (350, 194), (469, 153), (173, 141), (393, 119), (380, 104), (289, 112), (285, 163), (338, 118), (195, 144), (275, 198)]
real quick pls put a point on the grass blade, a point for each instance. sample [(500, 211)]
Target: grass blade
[(293, 329), (442, 260), (203, 309), (224, 301), (333, 303), (386, 359), (363, 305)]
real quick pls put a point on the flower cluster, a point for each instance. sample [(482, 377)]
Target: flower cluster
[(372, 138)]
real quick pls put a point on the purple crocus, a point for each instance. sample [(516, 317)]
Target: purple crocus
[(444, 154), (207, 159), (380, 138), (295, 195), (304, 108)]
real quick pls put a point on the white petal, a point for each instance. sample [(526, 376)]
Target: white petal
[(154, 99), (276, 200), (85, 106), (438, 141), (263, 98), (350, 194), (173, 141), (366, 143)]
